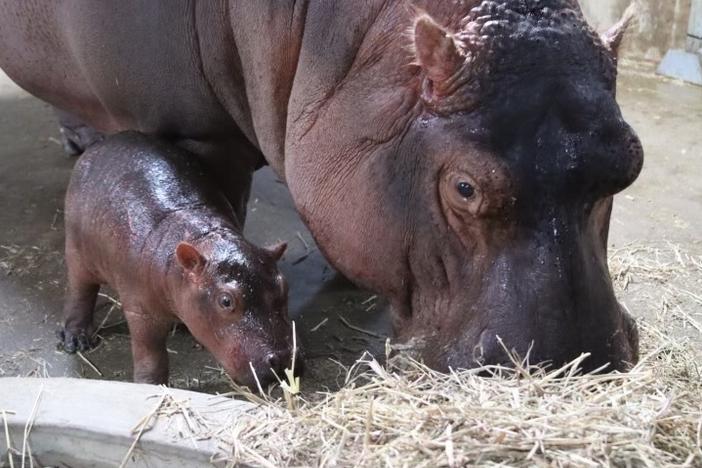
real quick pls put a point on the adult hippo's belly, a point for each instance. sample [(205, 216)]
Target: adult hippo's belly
[(465, 170)]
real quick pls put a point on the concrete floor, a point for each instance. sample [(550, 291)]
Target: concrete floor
[(665, 203)]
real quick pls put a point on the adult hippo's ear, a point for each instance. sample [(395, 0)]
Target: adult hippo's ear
[(192, 261), (277, 250), (438, 53), (612, 38)]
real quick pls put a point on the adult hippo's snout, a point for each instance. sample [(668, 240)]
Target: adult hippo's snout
[(549, 297)]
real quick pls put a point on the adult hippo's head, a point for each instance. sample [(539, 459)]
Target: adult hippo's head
[(463, 163)]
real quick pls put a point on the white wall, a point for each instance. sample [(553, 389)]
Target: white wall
[(661, 24)]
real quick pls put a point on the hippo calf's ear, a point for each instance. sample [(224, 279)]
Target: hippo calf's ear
[(437, 52), (277, 250), (612, 38), (190, 258)]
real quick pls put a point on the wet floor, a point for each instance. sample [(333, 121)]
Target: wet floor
[(665, 204)]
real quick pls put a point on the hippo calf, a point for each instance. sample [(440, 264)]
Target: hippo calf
[(142, 217)]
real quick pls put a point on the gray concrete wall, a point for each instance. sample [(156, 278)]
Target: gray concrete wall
[(661, 24)]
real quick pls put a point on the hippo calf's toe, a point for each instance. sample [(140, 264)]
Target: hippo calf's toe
[(143, 217), (72, 343)]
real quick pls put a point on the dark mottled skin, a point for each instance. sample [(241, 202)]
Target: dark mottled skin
[(142, 217), (459, 157)]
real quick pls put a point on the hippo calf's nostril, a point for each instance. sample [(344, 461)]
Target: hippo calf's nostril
[(278, 361), (273, 361)]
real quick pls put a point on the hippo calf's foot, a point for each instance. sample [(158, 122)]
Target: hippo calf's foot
[(70, 147), (71, 342), (76, 142), (76, 136)]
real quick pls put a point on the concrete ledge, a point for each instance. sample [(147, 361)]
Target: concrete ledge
[(89, 423)]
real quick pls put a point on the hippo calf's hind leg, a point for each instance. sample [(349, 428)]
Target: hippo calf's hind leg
[(149, 335), (76, 136)]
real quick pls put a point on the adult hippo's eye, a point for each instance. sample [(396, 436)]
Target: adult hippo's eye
[(465, 189), (461, 193)]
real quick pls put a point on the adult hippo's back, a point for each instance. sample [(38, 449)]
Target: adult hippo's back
[(459, 157)]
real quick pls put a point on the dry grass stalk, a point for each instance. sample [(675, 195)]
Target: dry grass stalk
[(319, 325), (141, 427), (359, 329), (291, 386), (8, 442), (26, 450), (89, 363)]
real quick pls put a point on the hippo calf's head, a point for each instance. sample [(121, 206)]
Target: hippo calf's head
[(474, 186), (235, 304)]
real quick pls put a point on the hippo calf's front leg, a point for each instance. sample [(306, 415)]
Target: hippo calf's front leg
[(79, 308), (149, 335)]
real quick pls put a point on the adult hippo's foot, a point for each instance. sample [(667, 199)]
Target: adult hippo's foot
[(72, 342), (76, 136)]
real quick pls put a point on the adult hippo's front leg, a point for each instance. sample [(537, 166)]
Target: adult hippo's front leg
[(231, 164)]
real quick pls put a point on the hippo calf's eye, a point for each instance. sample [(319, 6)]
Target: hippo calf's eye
[(465, 189), (225, 301)]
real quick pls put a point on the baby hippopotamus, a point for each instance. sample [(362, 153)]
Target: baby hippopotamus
[(142, 217)]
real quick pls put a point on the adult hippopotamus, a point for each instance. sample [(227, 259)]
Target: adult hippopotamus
[(458, 156)]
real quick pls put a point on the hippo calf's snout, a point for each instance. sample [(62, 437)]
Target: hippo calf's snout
[(270, 367)]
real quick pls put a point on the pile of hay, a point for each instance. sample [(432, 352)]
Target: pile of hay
[(404, 414)]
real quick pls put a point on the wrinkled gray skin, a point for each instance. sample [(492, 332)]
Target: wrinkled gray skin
[(461, 162)]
